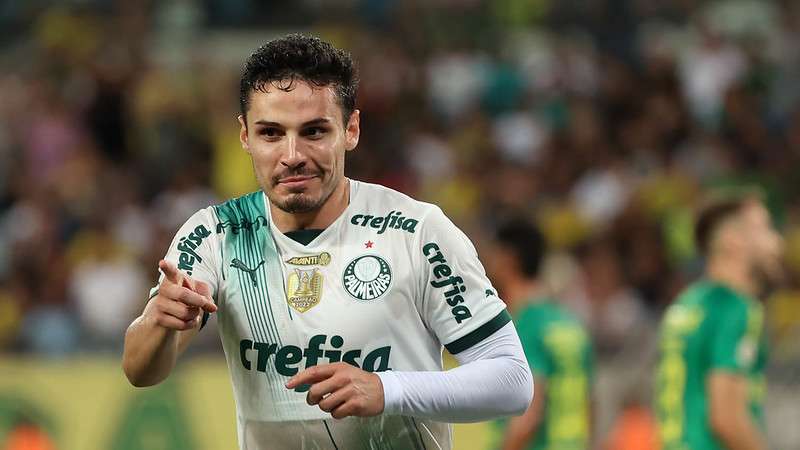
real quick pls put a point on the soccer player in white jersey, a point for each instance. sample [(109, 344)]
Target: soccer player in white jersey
[(334, 297)]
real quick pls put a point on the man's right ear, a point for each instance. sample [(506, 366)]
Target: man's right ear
[(243, 133)]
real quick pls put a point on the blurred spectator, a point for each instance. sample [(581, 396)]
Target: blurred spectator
[(612, 309), (709, 68), (106, 284)]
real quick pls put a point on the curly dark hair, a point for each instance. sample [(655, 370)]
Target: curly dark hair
[(283, 61)]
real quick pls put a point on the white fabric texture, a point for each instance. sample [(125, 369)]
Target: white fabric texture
[(493, 380)]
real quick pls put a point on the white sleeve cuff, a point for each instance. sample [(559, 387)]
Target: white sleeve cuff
[(494, 380), (392, 392)]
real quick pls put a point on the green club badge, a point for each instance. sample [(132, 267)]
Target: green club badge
[(367, 277)]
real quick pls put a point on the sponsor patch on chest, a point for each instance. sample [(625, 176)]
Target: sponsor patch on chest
[(304, 283), (392, 221)]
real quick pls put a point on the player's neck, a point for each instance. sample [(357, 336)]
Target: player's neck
[(732, 272), (315, 220)]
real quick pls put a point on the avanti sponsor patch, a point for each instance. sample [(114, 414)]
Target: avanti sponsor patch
[(323, 259)]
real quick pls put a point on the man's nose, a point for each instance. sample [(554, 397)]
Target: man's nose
[(292, 156)]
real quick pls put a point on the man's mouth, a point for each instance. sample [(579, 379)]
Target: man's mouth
[(296, 181)]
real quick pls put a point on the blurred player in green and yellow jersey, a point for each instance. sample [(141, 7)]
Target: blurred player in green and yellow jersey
[(710, 382), (556, 345)]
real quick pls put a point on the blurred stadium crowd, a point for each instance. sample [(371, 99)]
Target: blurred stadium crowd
[(605, 120)]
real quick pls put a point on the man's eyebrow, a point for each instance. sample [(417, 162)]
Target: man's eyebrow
[(268, 123), (317, 121)]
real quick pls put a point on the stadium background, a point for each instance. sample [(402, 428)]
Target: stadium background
[(604, 120)]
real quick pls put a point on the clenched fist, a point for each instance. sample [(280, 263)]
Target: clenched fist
[(342, 390)]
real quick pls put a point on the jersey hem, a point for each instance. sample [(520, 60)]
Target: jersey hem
[(479, 334)]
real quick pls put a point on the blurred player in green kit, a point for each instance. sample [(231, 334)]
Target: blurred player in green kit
[(710, 380), (556, 345)]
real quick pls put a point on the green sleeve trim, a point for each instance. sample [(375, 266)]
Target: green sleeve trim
[(479, 334)]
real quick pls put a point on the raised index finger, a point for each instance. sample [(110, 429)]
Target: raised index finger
[(170, 271), (311, 375)]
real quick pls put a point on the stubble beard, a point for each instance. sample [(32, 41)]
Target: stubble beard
[(766, 273), (769, 276), (301, 202)]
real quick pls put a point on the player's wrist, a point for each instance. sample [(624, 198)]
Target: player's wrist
[(150, 321)]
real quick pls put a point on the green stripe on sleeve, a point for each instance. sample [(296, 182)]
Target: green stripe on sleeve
[(479, 334)]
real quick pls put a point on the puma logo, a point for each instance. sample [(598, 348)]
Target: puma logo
[(238, 264)]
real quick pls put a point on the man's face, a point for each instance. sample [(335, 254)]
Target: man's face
[(297, 140), (763, 244)]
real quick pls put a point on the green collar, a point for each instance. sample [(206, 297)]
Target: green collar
[(303, 236)]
